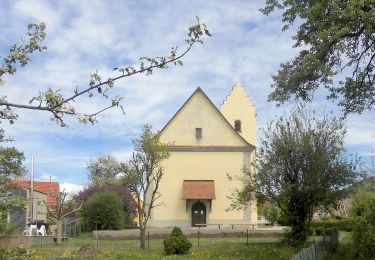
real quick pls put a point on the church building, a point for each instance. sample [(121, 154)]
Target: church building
[(207, 145)]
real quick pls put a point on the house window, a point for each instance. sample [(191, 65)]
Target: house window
[(237, 125), (198, 133)]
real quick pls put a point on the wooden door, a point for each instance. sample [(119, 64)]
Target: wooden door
[(198, 214)]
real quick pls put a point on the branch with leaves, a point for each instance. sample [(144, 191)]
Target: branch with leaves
[(338, 52), (59, 106), (60, 210), (143, 173)]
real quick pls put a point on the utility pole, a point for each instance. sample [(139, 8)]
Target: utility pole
[(32, 190)]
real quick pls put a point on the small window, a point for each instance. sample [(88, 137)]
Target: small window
[(198, 133), (237, 125)]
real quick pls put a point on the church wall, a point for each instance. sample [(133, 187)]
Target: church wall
[(198, 166), (198, 113)]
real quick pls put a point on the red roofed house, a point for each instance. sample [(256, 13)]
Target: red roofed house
[(51, 188), (44, 192)]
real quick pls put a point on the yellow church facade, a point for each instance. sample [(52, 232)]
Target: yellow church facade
[(207, 145)]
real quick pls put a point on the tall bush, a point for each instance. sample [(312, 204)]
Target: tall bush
[(104, 210), (363, 222)]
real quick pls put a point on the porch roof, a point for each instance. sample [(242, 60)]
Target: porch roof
[(199, 189)]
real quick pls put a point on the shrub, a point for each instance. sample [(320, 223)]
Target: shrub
[(104, 210), (3, 254), (311, 231), (342, 225), (319, 231), (176, 243), (329, 231), (363, 221), (129, 205)]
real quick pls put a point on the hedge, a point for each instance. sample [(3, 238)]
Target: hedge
[(342, 225)]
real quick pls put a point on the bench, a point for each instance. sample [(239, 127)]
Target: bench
[(205, 225), (243, 225)]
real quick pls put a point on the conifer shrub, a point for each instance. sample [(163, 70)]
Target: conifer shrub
[(176, 243)]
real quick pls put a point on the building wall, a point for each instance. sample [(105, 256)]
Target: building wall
[(21, 218), (198, 166), (238, 106), (199, 113)]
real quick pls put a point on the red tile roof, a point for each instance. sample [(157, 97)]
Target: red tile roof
[(199, 189), (50, 188)]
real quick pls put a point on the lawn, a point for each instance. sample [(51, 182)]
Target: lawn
[(84, 247)]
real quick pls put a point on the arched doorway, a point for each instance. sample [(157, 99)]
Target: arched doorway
[(198, 214)]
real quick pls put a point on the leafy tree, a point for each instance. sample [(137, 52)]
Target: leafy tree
[(104, 170), (337, 42), (104, 210), (300, 167), (143, 174), (59, 106), (363, 223), (128, 203), (56, 213), (269, 211), (10, 168)]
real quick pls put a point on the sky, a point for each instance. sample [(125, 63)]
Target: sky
[(85, 36)]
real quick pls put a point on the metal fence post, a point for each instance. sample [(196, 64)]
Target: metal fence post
[(198, 235), (148, 239), (247, 236)]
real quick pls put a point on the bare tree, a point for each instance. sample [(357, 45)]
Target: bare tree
[(54, 102), (143, 174), (60, 210)]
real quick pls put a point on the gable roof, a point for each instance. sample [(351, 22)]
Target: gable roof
[(199, 90), (50, 188)]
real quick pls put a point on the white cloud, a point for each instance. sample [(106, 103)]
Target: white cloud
[(71, 188)]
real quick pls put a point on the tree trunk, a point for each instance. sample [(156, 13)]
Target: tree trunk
[(59, 231), (143, 237)]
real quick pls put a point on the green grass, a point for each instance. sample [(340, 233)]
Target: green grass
[(210, 248), (222, 250)]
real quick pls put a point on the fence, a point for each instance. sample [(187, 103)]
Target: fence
[(319, 248)]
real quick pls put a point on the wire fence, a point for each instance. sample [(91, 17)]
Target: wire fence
[(319, 248)]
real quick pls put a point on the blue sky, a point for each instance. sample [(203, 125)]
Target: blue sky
[(83, 36)]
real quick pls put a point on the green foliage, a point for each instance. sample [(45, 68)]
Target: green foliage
[(311, 231), (103, 170), (104, 210), (300, 166), (269, 211), (6, 228), (143, 173), (10, 168), (176, 243), (363, 221), (342, 225), (319, 231), (336, 39)]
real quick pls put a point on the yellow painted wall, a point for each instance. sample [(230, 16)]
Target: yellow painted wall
[(237, 106), (199, 113), (199, 166)]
